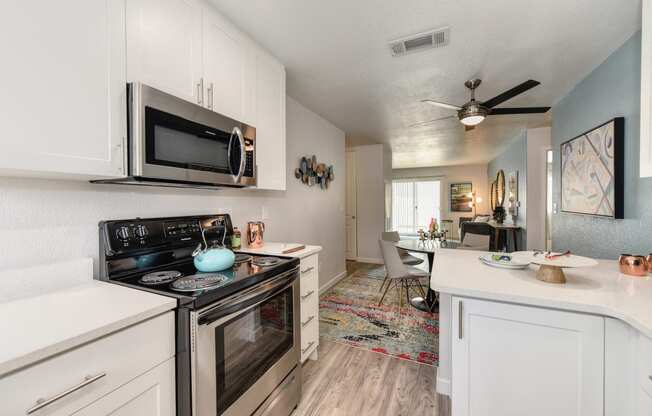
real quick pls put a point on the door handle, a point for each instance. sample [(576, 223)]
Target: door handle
[(41, 403), (460, 320), (303, 324), (210, 96), (200, 91)]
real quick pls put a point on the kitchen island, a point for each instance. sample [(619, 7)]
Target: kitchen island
[(512, 345)]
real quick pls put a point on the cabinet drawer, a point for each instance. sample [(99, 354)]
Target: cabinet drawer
[(309, 310), (309, 286), (644, 348), (309, 338), (99, 367), (310, 266)]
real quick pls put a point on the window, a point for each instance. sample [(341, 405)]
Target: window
[(414, 203)]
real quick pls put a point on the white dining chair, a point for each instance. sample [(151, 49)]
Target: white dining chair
[(398, 273)]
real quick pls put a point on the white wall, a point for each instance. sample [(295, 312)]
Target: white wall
[(370, 197), (49, 221), (538, 142), (477, 174)]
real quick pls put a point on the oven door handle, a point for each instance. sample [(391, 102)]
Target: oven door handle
[(240, 302)]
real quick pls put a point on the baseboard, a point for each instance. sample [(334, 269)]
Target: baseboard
[(370, 260), (443, 386), (332, 282)]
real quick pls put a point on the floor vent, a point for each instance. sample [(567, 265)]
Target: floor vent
[(420, 42)]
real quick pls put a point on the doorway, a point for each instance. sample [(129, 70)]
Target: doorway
[(351, 208)]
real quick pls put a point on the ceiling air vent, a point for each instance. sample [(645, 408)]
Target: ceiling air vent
[(420, 42)]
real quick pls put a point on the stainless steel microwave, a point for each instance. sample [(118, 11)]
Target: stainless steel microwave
[(172, 142)]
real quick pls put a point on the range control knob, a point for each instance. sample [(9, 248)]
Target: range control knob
[(123, 233), (141, 231)]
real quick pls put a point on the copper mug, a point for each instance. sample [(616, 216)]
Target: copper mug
[(633, 265), (649, 262)]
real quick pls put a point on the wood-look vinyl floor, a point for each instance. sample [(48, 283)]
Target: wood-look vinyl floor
[(348, 381)]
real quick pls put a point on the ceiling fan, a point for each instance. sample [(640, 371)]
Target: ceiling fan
[(474, 112)]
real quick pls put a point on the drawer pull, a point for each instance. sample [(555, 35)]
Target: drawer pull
[(308, 270), (310, 344), (307, 295), (41, 403), (303, 324)]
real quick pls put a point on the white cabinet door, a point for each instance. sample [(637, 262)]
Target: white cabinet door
[(151, 394), (270, 122), (164, 46), (646, 90), (514, 360), (224, 60), (62, 105)]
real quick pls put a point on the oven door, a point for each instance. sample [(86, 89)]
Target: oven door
[(246, 347), (173, 139)]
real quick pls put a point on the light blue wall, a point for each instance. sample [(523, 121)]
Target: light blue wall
[(611, 90), (514, 158)]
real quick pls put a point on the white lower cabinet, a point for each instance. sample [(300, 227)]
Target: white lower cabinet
[(151, 394), (513, 360), (309, 285), (129, 372)]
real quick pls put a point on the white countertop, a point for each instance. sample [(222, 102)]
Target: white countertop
[(600, 290), (35, 328), (276, 249)]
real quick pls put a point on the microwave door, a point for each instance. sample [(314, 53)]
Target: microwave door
[(236, 154)]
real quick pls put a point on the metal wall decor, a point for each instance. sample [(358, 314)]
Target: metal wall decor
[(312, 173), (512, 194)]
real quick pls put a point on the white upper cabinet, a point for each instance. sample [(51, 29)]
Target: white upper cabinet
[(63, 88), (224, 61), (270, 122), (646, 90), (164, 46)]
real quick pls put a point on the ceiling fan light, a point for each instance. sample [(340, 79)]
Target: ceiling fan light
[(472, 120)]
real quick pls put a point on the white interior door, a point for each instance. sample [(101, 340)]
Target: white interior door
[(351, 208), (514, 360)]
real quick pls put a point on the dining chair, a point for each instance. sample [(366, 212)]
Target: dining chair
[(475, 242), (402, 275), (406, 257)]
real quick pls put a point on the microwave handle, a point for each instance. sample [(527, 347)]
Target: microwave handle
[(237, 133)]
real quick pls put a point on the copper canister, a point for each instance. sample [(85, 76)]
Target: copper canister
[(649, 263), (633, 265)]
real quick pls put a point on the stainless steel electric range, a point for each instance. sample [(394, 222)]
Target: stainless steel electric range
[(237, 331)]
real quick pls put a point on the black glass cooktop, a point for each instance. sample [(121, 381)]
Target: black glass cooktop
[(183, 281)]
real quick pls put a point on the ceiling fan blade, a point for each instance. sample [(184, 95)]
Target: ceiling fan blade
[(519, 89), (443, 105), (519, 110), (469, 128), (423, 123)]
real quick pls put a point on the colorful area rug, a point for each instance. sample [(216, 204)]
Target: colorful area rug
[(349, 313)]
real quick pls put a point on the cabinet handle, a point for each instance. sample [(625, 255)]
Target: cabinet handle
[(303, 324), (460, 320), (200, 91), (210, 96), (307, 295), (41, 403), (310, 344), (309, 269)]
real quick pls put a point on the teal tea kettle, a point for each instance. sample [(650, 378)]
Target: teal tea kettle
[(212, 259)]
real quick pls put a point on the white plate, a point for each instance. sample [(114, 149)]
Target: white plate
[(502, 264), (565, 261)]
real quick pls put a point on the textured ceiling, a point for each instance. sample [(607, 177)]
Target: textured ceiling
[(339, 65)]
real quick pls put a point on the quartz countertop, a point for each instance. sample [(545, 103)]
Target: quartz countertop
[(600, 290), (37, 327), (276, 249)]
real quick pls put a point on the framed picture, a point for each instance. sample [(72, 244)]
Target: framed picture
[(461, 197), (592, 171)]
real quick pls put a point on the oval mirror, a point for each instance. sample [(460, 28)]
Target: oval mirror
[(500, 188)]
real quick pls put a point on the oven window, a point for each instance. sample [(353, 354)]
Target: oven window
[(177, 142), (249, 345)]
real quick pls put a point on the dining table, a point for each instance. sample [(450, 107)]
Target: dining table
[(429, 248)]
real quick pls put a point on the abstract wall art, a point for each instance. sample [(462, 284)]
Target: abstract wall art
[(592, 169), (461, 197)]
